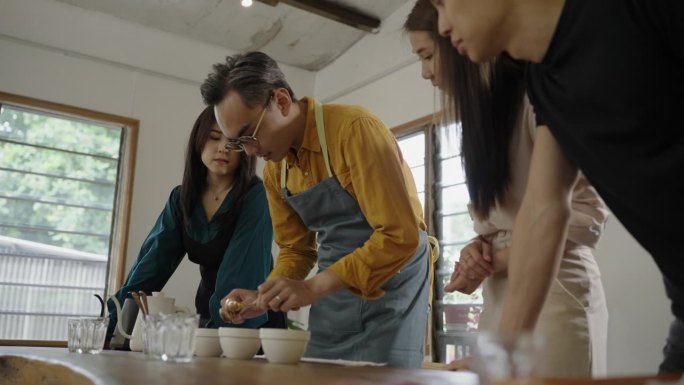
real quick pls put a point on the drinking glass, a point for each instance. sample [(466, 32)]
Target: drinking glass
[(505, 358), (170, 337), (73, 344), (86, 334)]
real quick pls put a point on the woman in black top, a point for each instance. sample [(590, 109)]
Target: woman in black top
[(219, 217)]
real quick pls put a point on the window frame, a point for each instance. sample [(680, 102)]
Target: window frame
[(426, 125), (124, 192), (429, 126)]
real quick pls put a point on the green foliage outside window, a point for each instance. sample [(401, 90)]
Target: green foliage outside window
[(57, 174)]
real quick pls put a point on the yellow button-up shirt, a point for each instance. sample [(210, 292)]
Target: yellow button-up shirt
[(366, 160)]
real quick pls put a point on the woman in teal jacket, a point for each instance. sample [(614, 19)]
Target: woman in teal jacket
[(218, 217)]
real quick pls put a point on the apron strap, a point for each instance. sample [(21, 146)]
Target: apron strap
[(320, 128), (433, 244)]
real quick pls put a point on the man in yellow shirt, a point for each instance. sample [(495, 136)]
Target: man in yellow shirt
[(335, 176)]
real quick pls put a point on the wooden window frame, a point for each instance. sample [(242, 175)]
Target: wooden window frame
[(425, 124), (429, 126), (124, 193)]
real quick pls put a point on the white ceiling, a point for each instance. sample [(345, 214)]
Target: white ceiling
[(287, 34)]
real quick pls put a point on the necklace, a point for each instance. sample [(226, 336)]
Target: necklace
[(221, 194)]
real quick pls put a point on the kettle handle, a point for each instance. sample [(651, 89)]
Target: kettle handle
[(118, 316)]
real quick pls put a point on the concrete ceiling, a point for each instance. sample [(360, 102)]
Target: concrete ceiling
[(289, 35)]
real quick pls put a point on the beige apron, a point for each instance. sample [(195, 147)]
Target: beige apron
[(574, 319)]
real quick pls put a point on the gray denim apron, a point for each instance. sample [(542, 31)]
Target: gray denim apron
[(344, 326)]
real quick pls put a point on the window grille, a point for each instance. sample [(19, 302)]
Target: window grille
[(60, 207)]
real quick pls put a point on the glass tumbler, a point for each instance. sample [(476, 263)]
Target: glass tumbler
[(510, 359), (170, 337), (73, 338), (87, 334)]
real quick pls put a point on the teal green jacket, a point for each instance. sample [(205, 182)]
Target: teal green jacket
[(246, 263)]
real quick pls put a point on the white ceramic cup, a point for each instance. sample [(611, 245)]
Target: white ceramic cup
[(284, 346), (207, 343), (239, 343)]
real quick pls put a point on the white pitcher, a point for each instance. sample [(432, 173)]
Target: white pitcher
[(156, 304)]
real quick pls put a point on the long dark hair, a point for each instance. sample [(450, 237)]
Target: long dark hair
[(195, 173), (423, 17), (488, 100)]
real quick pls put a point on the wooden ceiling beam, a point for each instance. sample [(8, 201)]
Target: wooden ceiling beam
[(334, 12)]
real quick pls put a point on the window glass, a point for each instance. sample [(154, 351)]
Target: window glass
[(456, 314), (57, 206)]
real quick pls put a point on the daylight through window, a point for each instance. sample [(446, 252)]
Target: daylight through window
[(59, 200)]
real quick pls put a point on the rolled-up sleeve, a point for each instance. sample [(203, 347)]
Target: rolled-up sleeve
[(378, 181)]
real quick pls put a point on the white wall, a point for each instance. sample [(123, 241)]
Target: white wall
[(639, 311), (374, 73), (56, 52), (380, 73)]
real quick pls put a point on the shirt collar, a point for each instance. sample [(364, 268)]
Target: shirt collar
[(310, 141)]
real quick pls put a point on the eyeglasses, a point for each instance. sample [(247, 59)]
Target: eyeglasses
[(238, 145)]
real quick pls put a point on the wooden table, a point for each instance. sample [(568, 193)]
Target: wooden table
[(128, 368)]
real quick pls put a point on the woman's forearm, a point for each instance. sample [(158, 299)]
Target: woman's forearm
[(538, 239), (539, 233)]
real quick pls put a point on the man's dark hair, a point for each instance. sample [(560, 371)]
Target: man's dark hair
[(253, 75)]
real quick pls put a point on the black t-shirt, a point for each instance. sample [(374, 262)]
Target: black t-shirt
[(611, 90)]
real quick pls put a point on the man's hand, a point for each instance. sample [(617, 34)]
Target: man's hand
[(285, 294), (238, 306)]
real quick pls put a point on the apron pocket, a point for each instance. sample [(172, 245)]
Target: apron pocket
[(337, 313)]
